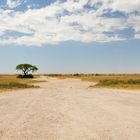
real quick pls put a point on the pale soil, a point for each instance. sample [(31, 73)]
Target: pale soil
[(68, 110)]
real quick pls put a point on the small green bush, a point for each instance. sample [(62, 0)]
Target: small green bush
[(19, 76)]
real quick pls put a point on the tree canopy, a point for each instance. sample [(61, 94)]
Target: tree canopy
[(26, 68)]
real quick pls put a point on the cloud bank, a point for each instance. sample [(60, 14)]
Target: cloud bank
[(69, 20)]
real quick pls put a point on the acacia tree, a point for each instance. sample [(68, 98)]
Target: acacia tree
[(26, 69)]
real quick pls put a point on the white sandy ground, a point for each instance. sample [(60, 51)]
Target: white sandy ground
[(67, 109)]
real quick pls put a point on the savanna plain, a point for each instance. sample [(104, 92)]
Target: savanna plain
[(70, 107)]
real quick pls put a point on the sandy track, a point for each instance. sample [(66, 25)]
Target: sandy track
[(68, 110)]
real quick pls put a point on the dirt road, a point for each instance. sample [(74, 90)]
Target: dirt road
[(67, 109)]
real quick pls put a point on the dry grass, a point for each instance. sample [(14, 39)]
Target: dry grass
[(118, 81), (123, 81), (97, 77), (120, 84), (8, 82)]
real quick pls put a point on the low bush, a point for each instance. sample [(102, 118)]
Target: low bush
[(25, 76), (19, 76), (76, 74)]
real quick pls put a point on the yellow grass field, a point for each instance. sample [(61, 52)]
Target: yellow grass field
[(120, 81), (8, 82)]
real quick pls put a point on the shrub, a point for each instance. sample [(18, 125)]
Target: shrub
[(19, 76), (25, 76), (97, 74), (76, 74)]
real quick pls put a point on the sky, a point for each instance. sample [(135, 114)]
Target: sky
[(70, 36)]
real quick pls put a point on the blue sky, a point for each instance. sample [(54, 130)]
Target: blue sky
[(70, 36)]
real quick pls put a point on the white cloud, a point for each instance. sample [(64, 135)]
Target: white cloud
[(68, 20), (137, 36), (125, 5), (14, 3), (134, 21)]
